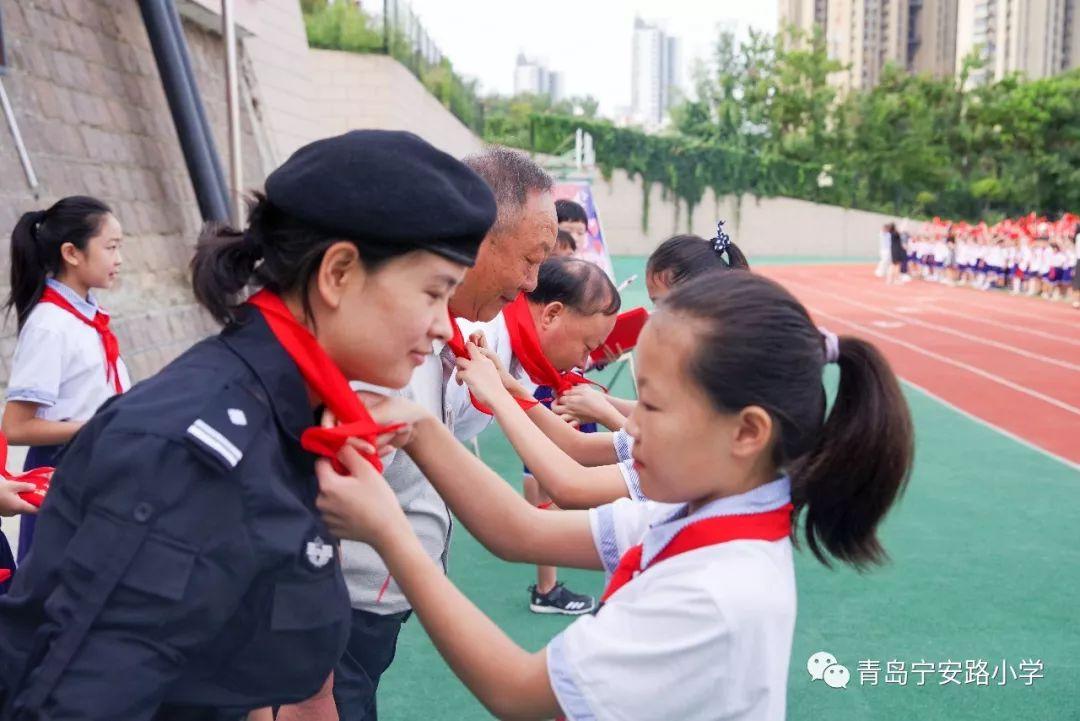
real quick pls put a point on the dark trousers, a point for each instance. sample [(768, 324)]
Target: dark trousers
[(7, 561), (36, 457), (372, 644)]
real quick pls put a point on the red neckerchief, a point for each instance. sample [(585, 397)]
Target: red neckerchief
[(325, 380), (100, 323), (526, 346), (456, 344), (40, 477), (768, 526)]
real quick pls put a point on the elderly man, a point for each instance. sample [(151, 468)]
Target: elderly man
[(507, 264)]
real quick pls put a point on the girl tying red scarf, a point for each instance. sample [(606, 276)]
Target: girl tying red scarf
[(326, 381), (721, 418)]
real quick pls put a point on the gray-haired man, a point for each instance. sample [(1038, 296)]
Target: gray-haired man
[(510, 256)]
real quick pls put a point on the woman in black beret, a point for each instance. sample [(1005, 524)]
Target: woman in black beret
[(180, 569)]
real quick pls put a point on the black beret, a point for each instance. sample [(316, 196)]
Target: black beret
[(386, 186)]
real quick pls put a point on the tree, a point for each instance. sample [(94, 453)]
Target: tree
[(345, 26), (507, 120), (340, 26)]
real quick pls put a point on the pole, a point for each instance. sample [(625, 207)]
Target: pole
[(232, 99), (170, 53), (20, 147)]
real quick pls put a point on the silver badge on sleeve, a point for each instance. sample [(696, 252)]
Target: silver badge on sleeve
[(318, 552)]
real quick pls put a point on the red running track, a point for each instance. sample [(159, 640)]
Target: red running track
[(1011, 361)]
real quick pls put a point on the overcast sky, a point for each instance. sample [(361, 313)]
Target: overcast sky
[(588, 40)]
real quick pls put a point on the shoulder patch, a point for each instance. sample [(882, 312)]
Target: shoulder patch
[(225, 427)]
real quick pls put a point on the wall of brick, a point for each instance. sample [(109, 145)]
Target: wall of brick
[(88, 98)]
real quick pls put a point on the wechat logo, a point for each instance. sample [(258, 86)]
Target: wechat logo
[(823, 667)]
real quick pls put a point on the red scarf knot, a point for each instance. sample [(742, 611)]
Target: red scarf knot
[(326, 381), (456, 344), (768, 526), (100, 323)]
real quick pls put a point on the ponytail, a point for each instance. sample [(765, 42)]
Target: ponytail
[(27, 271), (736, 259), (36, 244), (682, 258), (860, 463), (757, 346), (223, 264), (277, 251)]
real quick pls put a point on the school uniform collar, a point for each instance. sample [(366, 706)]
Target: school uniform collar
[(764, 498), (251, 339), (88, 307)]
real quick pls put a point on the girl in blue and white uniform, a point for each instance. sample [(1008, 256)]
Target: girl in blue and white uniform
[(735, 440), (67, 360)]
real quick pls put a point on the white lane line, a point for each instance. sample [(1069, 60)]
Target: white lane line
[(950, 361), (1008, 434), (943, 329), (928, 308)]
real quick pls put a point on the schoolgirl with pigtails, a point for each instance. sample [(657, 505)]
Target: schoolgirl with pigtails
[(738, 443), (67, 361)]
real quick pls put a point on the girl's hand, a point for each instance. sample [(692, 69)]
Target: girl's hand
[(386, 411), (481, 373), (585, 404), (360, 505), (570, 419), (510, 383), (10, 503), (385, 444)]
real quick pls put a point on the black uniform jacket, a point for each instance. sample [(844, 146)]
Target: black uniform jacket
[(179, 568)]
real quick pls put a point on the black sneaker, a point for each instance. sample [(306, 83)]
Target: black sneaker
[(560, 600)]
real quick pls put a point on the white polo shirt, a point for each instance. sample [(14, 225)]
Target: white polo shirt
[(468, 421), (702, 635), (59, 361), (370, 587)]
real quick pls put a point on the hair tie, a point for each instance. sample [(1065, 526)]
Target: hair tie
[(38, 217), (722, 241), (832, 345)]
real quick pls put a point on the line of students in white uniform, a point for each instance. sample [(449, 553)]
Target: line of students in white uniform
[(1041, 262), (692, 506)]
